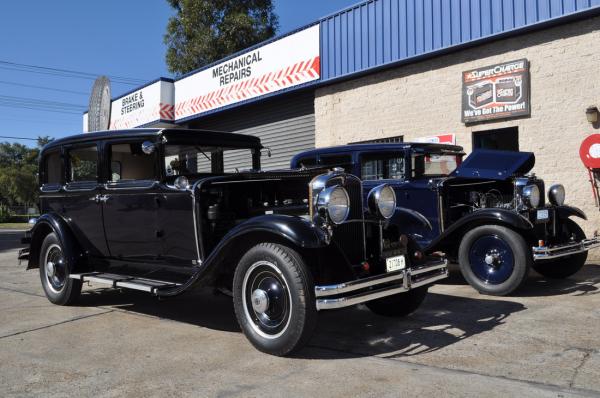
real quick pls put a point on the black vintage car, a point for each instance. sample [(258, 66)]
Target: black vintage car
[(485, 212), (164, 210)]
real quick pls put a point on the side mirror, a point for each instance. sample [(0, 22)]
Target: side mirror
[(148, 147), (268, 151)]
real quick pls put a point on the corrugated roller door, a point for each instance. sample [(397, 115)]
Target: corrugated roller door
[(284, 124)]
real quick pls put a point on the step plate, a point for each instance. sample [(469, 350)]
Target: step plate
[(124, 281)]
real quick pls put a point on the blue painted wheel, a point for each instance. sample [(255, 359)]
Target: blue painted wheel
[(491, 259)]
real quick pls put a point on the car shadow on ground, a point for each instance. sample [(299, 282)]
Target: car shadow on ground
[(352, 332), (584, 282)]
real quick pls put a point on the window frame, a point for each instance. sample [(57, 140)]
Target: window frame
[(86, 185), (130, 184), (378, 155), (45, 186)]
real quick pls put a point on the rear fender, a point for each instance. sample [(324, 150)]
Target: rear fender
[(45, 225)]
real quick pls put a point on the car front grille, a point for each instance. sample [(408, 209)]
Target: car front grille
[(350, 236)]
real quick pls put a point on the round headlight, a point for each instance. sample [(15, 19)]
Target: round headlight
[(181, 182), (556, 194), (531, 195), (336, 202), (382, 201)]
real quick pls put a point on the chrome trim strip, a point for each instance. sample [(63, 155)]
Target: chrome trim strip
[(550, 253), (135, 286), (406, 276), (332, 290)]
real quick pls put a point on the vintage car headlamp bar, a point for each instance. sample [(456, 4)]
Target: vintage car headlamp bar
[(382, 201), (335, 203), (556, 194), (531, 196)]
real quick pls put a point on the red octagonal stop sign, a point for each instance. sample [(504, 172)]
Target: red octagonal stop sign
[(590, 151)]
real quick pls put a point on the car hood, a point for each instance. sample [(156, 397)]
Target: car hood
[(496, 165)]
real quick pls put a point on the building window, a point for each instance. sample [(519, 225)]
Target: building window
[(506, 139), (387, 140)]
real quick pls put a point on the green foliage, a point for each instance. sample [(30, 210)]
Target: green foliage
[(18, 172), (204, 31), (4, 213)]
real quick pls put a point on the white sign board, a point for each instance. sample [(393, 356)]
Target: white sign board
[(439, 139), (284, 63), (152, 103)]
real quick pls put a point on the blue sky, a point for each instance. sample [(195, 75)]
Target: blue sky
[(112, 37)]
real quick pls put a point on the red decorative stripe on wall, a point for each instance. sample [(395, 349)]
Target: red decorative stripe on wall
[(291, 75)]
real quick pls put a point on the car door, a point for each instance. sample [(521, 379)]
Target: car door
[(416, 212), (80, 206), (130, 201)]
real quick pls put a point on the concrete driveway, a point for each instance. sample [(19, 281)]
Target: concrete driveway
[(542, 342)]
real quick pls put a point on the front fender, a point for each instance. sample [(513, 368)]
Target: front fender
[(48, 223), (568, 211), (295, 230), (481, 217)]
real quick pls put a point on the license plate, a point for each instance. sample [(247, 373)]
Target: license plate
[(395, 263), (542, 214)]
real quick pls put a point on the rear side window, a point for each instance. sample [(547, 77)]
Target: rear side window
[(52, 168), (387, 167), (129, 163), (344, 161), (83, 164)]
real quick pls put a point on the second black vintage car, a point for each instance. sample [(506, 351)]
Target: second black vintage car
[(487, 212), (163, 211)]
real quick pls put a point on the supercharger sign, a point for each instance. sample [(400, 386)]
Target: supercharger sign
[(284, 63), (153, 103)]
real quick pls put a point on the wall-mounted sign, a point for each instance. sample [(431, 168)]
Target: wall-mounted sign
[(439, 139), (284, 63), (496, 92), (152, 103)]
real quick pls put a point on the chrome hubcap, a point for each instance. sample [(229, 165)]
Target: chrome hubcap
[(260, 301), (51, 269), (55, 269)]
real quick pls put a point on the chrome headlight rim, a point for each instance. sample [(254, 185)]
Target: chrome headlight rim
[(556, 194), (332, 210), (531, 196), (182, 183), (376, 202)]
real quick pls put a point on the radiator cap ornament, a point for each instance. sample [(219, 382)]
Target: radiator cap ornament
[(99, 107)]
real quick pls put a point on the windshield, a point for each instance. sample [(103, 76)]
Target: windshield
[(434, 165), (181, 159)]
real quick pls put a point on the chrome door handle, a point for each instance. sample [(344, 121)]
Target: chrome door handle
[(103, 198), (94, 198)]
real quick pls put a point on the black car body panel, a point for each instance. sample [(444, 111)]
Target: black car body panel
[(495, 164)]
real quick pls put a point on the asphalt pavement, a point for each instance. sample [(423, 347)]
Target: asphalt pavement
[(541, 342)]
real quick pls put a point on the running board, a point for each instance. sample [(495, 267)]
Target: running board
[(126, 282)]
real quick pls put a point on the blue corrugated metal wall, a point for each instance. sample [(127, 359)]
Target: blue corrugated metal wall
[(378, 32)]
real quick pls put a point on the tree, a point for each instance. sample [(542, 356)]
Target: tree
[(18, 172), (204, 31)]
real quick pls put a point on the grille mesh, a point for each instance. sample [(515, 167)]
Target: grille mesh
[(350, 237)]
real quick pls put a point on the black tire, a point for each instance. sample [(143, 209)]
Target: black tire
[(399, 305), (273, 298), (59, 288), (564, 267), (495, 260)]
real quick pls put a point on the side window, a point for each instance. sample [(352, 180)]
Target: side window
[(344, 161), (383, 168), (83, 164), (307, 162), (52, 168), (129, 163)]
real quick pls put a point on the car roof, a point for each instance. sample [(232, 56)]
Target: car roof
[(210, 137), (351, 148)]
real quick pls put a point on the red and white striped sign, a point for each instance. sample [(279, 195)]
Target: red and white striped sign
[(149, 104), (287, 62)]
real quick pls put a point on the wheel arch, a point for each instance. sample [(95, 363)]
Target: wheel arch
[(450, 239), (45, 225)]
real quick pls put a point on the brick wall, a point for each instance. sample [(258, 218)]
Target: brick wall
[(424, 99)]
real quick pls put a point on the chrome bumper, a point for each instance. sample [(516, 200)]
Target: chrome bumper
[(549, 253), (362, 290)]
